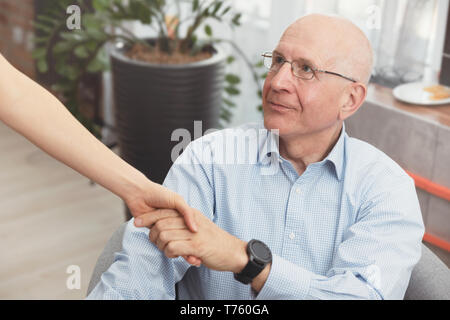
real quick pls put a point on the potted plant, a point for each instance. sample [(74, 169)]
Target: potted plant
[(161, 83)]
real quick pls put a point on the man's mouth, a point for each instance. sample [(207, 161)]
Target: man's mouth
[(279, 106)]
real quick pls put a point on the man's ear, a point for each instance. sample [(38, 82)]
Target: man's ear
[(354, 97)]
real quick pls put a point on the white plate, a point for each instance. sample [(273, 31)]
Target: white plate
[(414, 93)]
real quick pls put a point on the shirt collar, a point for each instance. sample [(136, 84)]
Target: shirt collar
[(269, 148), (269, 151), (336, 156)]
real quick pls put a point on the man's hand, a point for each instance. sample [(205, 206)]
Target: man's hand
[(218, 249), (145, 202), (153, 196)]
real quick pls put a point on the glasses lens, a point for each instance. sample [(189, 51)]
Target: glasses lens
[(267, 60), (302, 69), (274, 61)]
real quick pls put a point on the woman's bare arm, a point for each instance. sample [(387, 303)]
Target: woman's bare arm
[(35, 113)]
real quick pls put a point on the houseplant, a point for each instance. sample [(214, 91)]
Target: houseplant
[(149, 74)]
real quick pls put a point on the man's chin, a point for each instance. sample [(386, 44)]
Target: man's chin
[(275, 123)]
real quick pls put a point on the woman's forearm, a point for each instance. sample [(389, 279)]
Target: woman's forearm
[(57, 132)]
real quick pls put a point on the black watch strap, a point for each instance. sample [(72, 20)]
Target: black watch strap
[(255, 264), (249, 273)]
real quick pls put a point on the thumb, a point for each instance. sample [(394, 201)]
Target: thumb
[(188, 213), (167, 199)]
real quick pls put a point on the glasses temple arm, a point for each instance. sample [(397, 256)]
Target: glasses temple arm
[(337, 74)]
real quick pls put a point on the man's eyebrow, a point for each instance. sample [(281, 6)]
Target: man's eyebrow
[(308, 61)]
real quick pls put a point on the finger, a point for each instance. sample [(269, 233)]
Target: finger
[(166, 224), (168, 236), (193, 260), (170, 223), (166, 198), (178, 248), (148, 219)]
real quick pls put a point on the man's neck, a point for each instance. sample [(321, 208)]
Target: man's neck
[(303, 150)]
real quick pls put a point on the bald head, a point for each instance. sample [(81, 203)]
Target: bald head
[(338, 44)]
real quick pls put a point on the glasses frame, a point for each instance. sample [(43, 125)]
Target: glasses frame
[(270, 55)]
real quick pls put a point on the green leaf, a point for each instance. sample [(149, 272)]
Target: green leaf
[(217, 7), (94, 66), (208, 30), (48, 19), (139, 11), (40, 40), (59, 63), (101, 5), (260, 64), (195, 4), (42, 66), (91, 21), (91, 45), (205, 13), (145, 16), (236, 18), (224, 12), (232, 78), (99, 63), (62, 46), (42, 27), (225, 115), (81, 52), (96, 34), (39, 53), (72, 72), (194, 39), (230, 59), (73, 36), (232, 91), (228, 102)]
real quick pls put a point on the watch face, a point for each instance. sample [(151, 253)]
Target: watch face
[(261, 251)]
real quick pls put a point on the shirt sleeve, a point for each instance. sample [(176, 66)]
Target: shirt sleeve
[(374, 259), (140, 270)]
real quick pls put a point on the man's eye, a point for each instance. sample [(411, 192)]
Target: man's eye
[(278, 59), (306, 68)]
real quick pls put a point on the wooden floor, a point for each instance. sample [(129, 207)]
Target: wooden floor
[(51, 217)]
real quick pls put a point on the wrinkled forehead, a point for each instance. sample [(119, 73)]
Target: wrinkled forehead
[(313, 44)]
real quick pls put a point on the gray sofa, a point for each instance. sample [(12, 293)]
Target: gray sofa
[(430, 279)]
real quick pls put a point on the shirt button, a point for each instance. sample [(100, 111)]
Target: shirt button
[(292, 236), (298, 190)]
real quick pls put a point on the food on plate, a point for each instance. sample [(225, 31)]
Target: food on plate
[(438, 92)]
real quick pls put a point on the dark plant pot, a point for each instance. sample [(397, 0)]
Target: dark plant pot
[(153, 100)]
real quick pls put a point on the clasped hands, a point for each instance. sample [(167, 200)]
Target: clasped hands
[(210, 245)]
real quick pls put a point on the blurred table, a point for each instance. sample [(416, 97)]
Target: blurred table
[(383, 95)]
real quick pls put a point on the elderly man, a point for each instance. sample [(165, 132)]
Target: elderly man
[(335, 219)]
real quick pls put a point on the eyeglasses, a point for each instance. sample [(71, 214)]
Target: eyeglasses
[(300, 68)]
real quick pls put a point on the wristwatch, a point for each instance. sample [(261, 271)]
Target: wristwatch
[(259, 255)]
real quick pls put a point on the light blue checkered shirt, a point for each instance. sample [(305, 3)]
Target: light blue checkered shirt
[(349, 227)]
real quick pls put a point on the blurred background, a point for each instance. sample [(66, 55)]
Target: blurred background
[(53, 220)]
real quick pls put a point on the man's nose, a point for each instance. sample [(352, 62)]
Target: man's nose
[(282, 80)]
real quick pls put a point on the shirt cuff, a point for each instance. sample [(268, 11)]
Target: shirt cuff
[(286, 281)]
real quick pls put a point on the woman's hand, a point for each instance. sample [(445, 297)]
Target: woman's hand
[(152, 197)]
